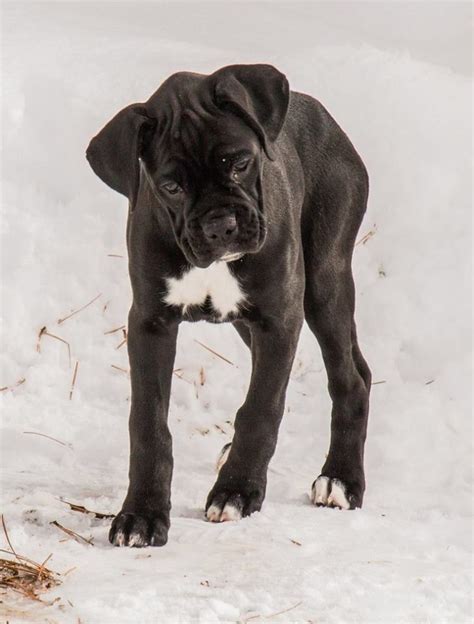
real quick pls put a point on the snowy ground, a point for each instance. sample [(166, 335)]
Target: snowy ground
[(406, 557)]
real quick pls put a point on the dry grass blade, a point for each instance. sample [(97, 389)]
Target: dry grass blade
[(73, 534), (61, 320), (122, 370), (44, 332), (44, 435), (15, 385), (38, 343), (284, 610), (84, 510), (23, 575), (73, 383), (179, 374), (214, 352), (202, 376), (112, 331), (272, 615), (7, 536), (124, 341), (367, 236), (69, 572), (46, 560)]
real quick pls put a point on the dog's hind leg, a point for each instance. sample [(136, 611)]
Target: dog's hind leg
[(329, 304), (329, 312)]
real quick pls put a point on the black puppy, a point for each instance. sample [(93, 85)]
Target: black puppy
[(245, 200)]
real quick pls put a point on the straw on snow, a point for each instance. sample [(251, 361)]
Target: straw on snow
[(24, 575)]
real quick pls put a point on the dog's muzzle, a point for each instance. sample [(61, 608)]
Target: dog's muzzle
[(223, 234)]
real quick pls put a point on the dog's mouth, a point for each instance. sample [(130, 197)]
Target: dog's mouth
[(201, 251), (232, 257), (202, 260)]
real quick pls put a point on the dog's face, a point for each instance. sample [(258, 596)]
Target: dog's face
[(207, 177), (200, 141)]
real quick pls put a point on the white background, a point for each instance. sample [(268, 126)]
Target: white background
[(396, 76)]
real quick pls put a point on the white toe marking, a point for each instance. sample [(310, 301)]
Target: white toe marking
[(337, 498), (320, 491), (216, 282), (230, 513), (223, 456), (119, 539), (136, 540), (213, 513)]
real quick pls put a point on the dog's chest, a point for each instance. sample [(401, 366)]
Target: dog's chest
[(215, 284)]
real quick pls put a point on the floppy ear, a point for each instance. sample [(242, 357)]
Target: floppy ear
[(257, 93), (113, 154)]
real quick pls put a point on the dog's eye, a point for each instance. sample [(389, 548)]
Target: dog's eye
[(241, 165), (172, 188)]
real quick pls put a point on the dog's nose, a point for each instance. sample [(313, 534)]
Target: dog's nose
[(220, 229)]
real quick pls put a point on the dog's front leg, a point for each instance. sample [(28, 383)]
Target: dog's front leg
[(144, 518), (240, 487)]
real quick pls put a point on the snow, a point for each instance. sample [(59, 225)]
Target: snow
[(406, 556)]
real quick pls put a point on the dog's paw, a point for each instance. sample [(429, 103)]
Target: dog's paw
[(139, 530), (326, 492), (226, 505)]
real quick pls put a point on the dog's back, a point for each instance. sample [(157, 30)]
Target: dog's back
[(331, 166)]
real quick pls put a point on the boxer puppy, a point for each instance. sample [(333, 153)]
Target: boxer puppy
[(245, 199)]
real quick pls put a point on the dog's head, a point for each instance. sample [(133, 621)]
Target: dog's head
[(200, 141)]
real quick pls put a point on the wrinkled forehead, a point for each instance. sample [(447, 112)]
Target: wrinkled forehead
[(228, 133), (201, 139), (191, 127), (198, 141)]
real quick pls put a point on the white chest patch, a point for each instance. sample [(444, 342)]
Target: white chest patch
[(216, 282)]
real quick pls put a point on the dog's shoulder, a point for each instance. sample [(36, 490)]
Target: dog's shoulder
[(308, 122), (322, 145)]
